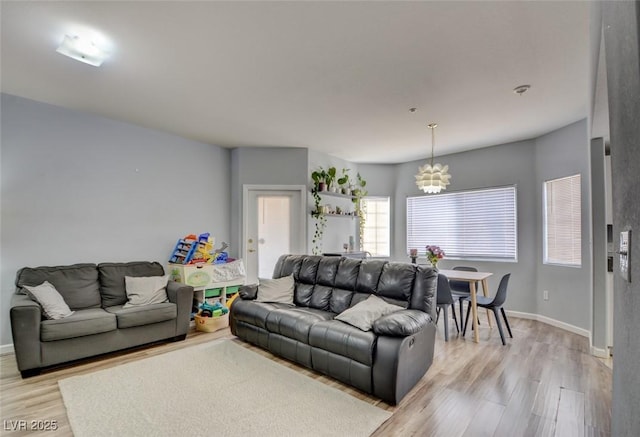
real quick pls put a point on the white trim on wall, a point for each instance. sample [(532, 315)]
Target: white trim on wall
[(596, 352), (6, 349), (552, 322)]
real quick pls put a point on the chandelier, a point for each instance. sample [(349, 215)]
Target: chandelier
[(432, 178)]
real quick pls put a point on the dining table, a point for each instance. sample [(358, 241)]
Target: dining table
[(471, 278)]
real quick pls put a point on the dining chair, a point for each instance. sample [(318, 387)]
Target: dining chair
[(444, 301), (462, 289), (494, 305)]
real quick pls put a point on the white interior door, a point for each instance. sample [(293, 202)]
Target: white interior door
[(274, 225)]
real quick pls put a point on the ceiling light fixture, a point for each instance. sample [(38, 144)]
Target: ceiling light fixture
[(432, 178), (82, 50), (520, 90)]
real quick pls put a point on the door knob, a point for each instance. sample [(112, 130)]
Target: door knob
[(251, 250)]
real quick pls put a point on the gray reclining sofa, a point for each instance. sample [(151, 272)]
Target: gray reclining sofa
[(386, 361), (100, 324)]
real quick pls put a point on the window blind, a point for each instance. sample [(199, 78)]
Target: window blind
[(376, 236), (563, 221), (477, 224)]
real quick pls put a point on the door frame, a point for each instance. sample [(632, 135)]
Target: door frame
[(302, 213)]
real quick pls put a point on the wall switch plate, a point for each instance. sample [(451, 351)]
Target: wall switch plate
[(625, 255), (545, 294)]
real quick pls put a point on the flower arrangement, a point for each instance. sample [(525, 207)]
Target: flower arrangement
[(434, 254)]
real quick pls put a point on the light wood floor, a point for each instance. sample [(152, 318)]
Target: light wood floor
[(543, 383)]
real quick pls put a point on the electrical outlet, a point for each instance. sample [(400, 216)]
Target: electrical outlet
[(545, 294)]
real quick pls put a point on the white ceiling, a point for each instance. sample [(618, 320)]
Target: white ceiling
[(337, 77)]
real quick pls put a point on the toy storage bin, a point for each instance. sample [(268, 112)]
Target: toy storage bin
[(215, 292), (211, 324), (196, 275)]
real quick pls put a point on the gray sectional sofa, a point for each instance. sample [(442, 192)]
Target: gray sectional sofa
[(100, 323), (386, 361)]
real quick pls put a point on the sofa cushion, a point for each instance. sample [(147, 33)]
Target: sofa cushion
[(111, 278), (288, 265), (295, 322), (82, 322), (77, 284), (143, 315), (276, 290), (396, 281), (347, 274), (401, 323), (53, 305), (254, 313), (368, 276), (365, 313), (342, 339), (145, 290)]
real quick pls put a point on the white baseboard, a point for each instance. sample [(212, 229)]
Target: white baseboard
[(596, 352), (552, 322), (600, 353), (6, 349)]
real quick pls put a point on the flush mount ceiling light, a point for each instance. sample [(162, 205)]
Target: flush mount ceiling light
[(432, 178), (82, 50), (520, 90)]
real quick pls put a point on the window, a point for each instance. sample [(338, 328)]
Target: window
[(562, 222), (376, 235), (477, 224)]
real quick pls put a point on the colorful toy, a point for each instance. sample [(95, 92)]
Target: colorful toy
[(216, 309), (231, 299), (203, 250)]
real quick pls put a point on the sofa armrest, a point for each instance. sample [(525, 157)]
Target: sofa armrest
[(182, 296), (401, 323), (248, 292), (26, 315)]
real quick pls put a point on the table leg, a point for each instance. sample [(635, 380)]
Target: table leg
[(485, 291), (474, 312)]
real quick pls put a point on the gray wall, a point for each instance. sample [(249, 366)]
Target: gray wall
[(80, 188), (622, 39), (526, 164), (262, 166), (561, 153), (507, 164)]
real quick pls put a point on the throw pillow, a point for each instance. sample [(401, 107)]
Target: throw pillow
[(53, 305), (276, 290), (145, 290), (363, 314)]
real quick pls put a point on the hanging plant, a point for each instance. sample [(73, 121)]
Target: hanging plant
[(321, 222), (358, 194)]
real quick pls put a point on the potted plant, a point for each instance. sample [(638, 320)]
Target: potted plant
[(345, 182), (330, 177), (320, 179)]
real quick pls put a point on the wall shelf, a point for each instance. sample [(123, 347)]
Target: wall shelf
[(332, 194)]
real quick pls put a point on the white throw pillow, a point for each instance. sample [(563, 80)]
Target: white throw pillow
[(145, 290), (276, 290), (363, 314), (52, 302)]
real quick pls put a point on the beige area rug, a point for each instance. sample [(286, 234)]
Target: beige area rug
[(215, 389)]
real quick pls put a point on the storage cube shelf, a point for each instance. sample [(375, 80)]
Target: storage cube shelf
[(216, 292)]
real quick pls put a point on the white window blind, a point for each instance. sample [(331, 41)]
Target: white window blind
[(376, 236), (562, 224), (478, 224)]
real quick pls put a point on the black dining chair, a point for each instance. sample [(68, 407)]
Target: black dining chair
[(444, 301), (462, 289), (494, 305)]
